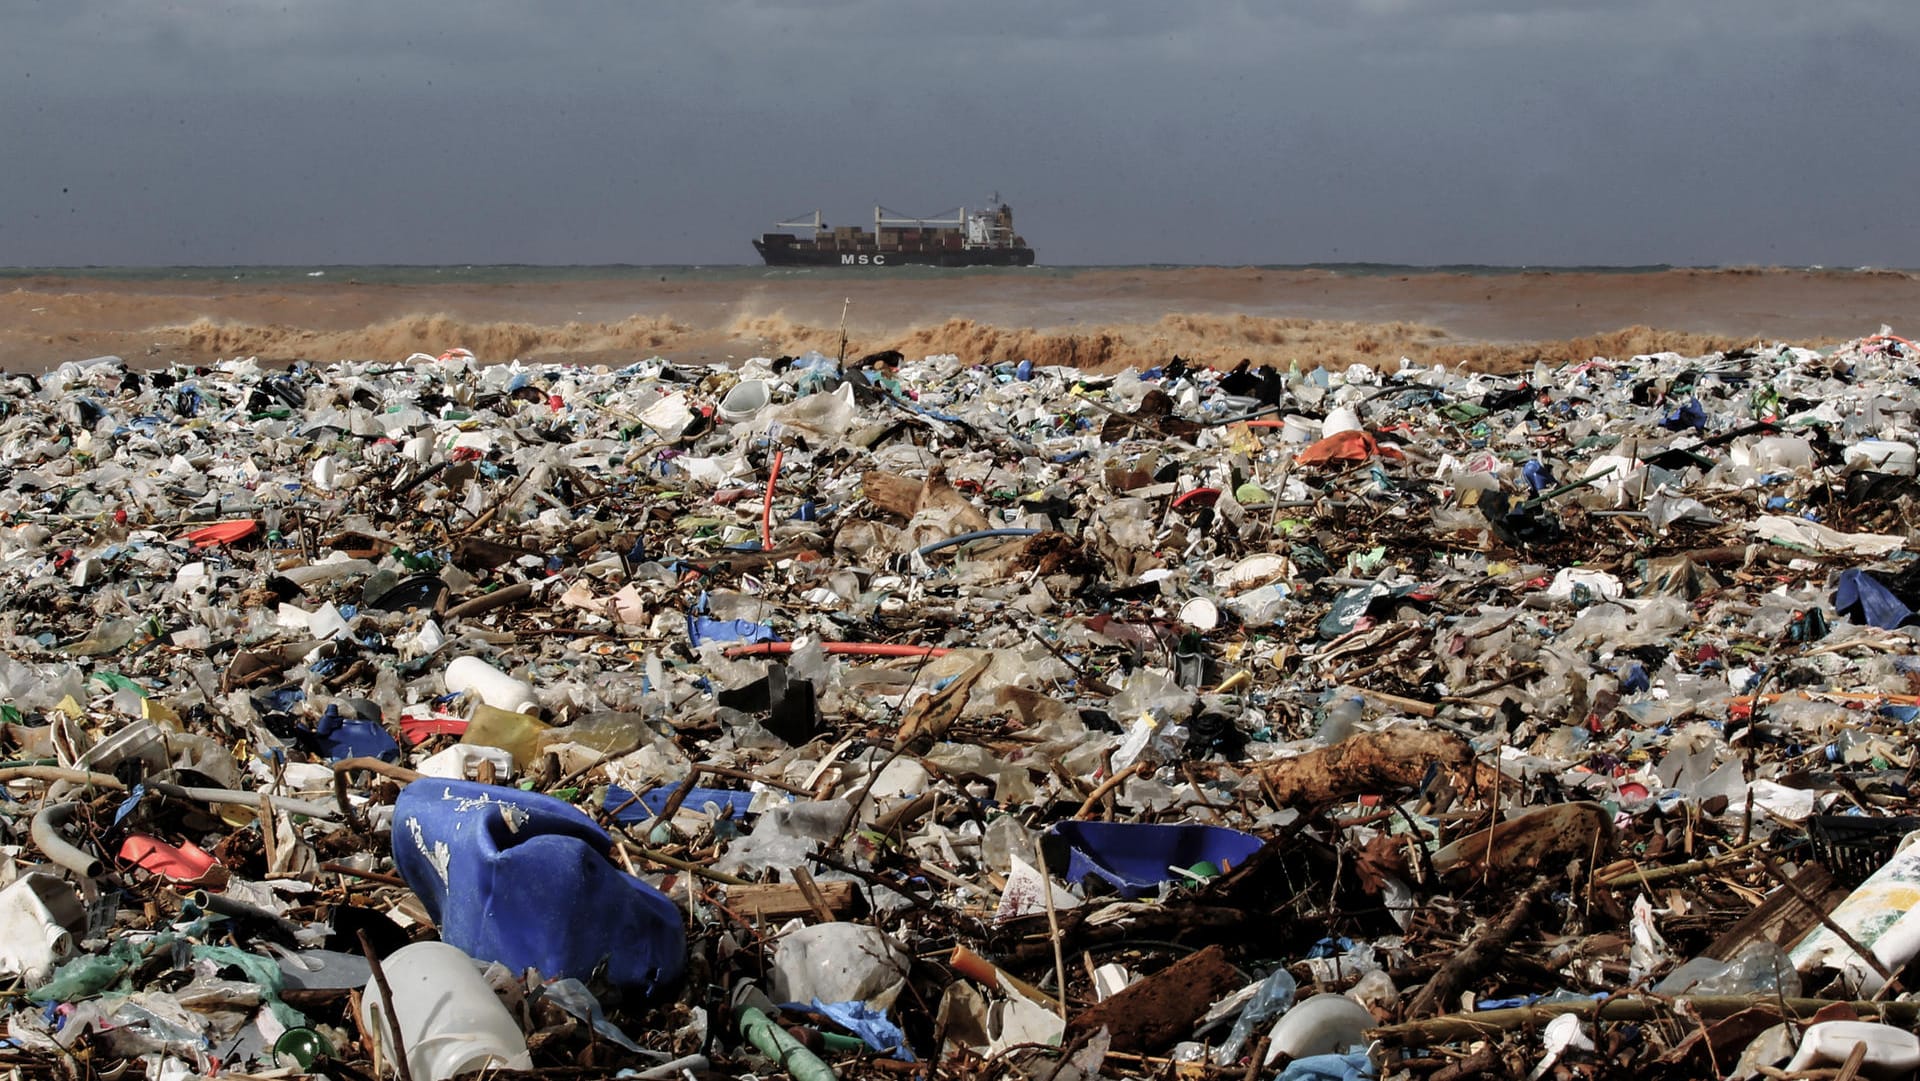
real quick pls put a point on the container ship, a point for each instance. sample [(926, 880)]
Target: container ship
[(962, 238)]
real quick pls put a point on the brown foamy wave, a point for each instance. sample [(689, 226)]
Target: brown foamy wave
[(1617, 344), (776, 333), (1225, 340), (395, 339), (1222, 340), (1214, 339)]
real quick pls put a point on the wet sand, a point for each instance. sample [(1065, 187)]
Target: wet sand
[(1095, 317)]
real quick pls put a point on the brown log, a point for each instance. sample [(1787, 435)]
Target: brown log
[(487, 602), (891, 492), (1531, 839), (1156, 1011), (1393, 759), (1481, 1063), (907, 497)]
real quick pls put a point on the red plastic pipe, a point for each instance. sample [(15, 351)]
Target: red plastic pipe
[(766, 505)]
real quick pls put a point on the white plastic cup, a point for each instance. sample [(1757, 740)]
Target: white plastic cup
[(449, 1017), (476, 678)]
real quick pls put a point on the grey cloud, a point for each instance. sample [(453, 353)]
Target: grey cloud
[(593, 131)]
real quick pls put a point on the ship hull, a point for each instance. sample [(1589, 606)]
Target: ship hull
[(965, 257)]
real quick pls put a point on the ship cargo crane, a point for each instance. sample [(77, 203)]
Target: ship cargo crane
[(815, 223)]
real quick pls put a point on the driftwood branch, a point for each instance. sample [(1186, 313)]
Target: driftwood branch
[(1480, 955)]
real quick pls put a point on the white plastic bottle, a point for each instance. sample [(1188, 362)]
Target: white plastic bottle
[(449, 1018), (1891, 1052), (476, 678)]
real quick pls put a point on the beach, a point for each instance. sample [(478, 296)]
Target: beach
[(1102, 318)]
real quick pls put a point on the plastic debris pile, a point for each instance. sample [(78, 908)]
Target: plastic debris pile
[(885, 718)]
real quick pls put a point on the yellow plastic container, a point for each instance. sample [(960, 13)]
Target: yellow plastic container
[(519, 734)]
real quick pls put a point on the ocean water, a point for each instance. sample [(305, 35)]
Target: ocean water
[(485, 274)]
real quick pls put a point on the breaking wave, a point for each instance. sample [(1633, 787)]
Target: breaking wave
[(397, 338), (1224, 340)]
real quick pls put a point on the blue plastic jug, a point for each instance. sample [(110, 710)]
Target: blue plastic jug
[(523, 879)]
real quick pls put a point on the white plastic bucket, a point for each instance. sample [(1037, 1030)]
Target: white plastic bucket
[(1340, 420), (749, 396), (1295, 428)]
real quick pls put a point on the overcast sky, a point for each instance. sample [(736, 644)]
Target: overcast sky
[(1279, 131)]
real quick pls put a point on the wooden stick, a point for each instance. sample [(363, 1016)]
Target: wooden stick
[(345, 804), (811, 891), (1480, 954), (370, 876), (678, 864), (744, 775), (384, 769), (1466, 1026), (1856, 1058), (1410, 705), (1258, 1062), (672, 806), (1677, 870), (392, 1011), (1106, 786), (269, 831), (1879, 967), (366, 1038), (1053, 930)]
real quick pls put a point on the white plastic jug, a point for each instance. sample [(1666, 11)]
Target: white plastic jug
[(449, 1018), (40, 916), (476, 678), (1881, 455)]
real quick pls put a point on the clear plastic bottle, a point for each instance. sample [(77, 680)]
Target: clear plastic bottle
[(1340, 713), (1273, 998), (606, 732)]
